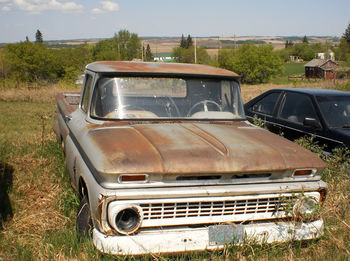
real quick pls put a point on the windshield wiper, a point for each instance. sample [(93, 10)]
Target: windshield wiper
[(346, 127)]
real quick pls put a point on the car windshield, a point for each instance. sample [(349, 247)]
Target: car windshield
[(336, 110), (166, 98)]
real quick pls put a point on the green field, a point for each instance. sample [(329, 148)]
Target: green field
[(290, 69), (38, 206)]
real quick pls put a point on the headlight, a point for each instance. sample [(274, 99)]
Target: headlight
[(125, 219), (307, 208)]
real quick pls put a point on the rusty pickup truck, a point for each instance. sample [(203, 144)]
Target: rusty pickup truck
[(165, 161)]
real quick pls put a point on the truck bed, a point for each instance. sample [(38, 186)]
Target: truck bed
[(67, 102)]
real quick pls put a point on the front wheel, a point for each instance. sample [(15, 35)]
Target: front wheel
[(84, 222)]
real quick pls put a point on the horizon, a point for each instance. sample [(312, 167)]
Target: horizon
[(148, 37), (60, 20)]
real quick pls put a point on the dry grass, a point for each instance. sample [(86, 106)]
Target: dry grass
[(41, 94), (35, 190), (251, 91)]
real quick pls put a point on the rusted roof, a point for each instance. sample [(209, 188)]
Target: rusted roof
[(318, 63), (124, 67)]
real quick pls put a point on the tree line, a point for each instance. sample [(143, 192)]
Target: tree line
[(259, 63), (35, 61)]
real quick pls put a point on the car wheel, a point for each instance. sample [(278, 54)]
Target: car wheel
[(84, 222)]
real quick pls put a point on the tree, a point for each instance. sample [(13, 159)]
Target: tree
[(226, 57), (38, 37), (183, 42), (72, 61), (129, 45), (31, 62), (106, 50), (148, 55), (288, 44), (343, 50), (307, 51), (4, 64), (305, 40), (346, 34), (255, 64), (123, 46), (186, 55), (186, 43), (189, 42)]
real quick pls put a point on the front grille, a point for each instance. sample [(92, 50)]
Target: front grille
[(270, 205), (185, 211)]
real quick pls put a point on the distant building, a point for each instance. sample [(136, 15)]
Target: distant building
[(320, 68), (163, 57), (295, 59), (327, 55)]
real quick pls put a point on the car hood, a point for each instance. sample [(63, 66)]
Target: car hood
[(192, 148)]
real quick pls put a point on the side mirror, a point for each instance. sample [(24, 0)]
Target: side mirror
[(312, 122), (68, 118)]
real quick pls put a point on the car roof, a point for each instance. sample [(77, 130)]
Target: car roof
[(153, 68), (313, 91)]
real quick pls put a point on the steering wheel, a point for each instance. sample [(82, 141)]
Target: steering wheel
[(205, 106)]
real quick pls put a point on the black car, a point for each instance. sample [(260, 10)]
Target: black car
[(299, 112)]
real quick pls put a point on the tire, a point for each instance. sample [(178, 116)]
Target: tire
[(84, 221)]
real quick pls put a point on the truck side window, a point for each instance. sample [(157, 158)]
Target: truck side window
[(86, 93)]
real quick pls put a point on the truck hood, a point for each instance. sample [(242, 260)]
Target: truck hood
[(191, 148)]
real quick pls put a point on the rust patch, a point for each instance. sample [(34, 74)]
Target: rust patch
[(198, 148), (124, 150), (159, 68), (216, 144)]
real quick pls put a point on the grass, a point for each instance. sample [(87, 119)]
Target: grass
[(41, 204), (290, 69), (38, 206)]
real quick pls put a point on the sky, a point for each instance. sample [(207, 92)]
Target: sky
[(85, 19)]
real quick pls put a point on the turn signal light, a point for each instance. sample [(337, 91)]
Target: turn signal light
[(133, 178), (303, 172)]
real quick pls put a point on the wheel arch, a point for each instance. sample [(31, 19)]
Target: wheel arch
[(82, 188)]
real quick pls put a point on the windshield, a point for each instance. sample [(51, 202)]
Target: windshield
[(336, 110), (166, 98)]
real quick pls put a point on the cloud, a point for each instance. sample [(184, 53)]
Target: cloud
[(38, 6), (5, 5), (106, 6)]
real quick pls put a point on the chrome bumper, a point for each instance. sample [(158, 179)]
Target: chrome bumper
[(194, 239)]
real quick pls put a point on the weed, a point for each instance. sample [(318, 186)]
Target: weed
[(258, 122)]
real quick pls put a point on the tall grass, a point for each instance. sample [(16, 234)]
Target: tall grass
[(42, 203)]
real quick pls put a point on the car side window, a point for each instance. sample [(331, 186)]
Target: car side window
[(267, 104), (295, 107), (86, 93)]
